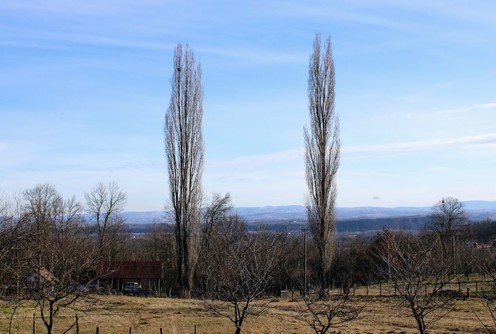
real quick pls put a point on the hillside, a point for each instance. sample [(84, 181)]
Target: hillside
[(352, 219)]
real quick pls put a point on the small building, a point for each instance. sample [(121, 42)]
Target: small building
[(133, 277), (472, 244), (42, 276)]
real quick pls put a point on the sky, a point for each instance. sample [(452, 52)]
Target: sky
[(84, 87)]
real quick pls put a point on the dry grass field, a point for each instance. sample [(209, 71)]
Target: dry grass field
[(116, 314)]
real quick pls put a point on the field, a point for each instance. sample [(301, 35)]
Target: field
[(117, 314)]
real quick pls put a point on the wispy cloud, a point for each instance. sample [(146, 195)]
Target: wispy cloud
[(89, 7), (249, 162), (476, 12), (482, 106), (470, 141), (440, 169), (255, 55), (290, 156)]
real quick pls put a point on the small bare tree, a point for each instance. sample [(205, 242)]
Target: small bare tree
[(14, 242), (322, 155), (42, 204), (184, 152), (323, 315), (104, 203), (487, 266), (418, 276), (62, 264), (13, 237), (240, 270), (446, 217), (215, 214)]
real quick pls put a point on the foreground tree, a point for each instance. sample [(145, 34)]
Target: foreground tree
[(322, 145), (62, 258), (418, 276), (42, 205), (240, 269), (14, 240), (184, 152), (324, 315), (487, 267)]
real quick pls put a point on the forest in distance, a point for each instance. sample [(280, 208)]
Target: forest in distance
[(349, 220)]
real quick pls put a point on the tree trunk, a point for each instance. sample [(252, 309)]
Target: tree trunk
[(323, 282), (420, 324)]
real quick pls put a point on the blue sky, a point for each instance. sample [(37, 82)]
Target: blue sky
[(84, 87)]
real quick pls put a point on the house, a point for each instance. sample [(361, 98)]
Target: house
[(42, 276), (133, 277)]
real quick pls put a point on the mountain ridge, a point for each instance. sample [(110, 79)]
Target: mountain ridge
[(475, 210)]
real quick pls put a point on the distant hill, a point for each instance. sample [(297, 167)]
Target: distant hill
[(142, 217), (353, 219)]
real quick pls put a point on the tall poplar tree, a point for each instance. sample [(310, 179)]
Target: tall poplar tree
[(184, 152), (322, 145)]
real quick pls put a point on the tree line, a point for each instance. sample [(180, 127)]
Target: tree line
[(50, 248)]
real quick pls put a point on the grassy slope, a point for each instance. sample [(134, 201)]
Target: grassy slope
[(116, 314)]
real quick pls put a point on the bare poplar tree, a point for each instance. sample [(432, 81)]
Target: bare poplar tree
[(184, 152), (322, 155)]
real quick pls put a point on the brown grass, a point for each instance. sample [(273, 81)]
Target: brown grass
[(116, 314)]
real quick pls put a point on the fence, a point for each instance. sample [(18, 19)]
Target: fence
[(75, 328), (464, 288)]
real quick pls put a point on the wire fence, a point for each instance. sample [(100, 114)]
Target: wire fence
[(472, 288), (74, 328)]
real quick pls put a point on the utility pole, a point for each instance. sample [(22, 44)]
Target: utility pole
[(304, 230)]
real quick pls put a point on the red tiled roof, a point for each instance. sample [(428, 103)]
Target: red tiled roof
[(130, 269)]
